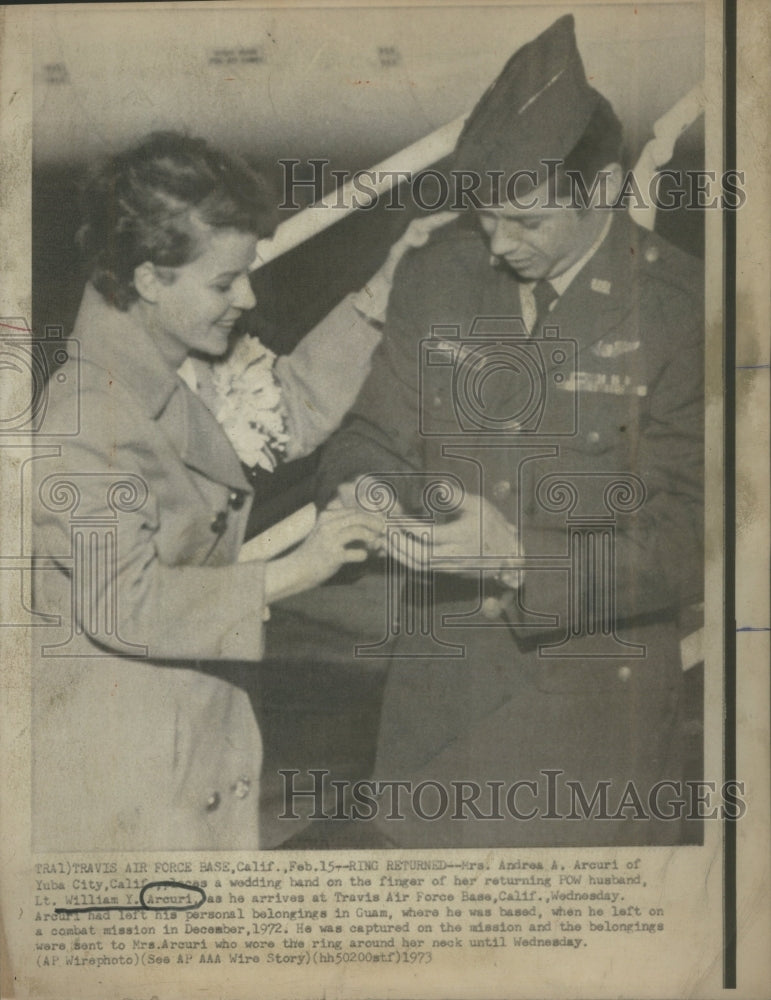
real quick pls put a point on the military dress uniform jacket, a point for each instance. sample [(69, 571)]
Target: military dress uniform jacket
[(600, 418), (138, 521)]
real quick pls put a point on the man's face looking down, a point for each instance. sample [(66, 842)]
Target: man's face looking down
[(546, 239)]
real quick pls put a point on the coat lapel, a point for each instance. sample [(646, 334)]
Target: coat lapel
[(202, 443)]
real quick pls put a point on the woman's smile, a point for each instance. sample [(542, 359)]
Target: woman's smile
[(195, 306)]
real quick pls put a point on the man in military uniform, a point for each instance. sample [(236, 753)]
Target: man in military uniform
[(544, 360)]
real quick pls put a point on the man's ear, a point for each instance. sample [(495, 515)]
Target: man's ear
[(615, 175), (147, 281)]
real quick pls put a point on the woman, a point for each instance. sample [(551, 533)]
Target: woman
[(140, 743)]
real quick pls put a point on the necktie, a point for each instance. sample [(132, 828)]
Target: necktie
[(544, 295)]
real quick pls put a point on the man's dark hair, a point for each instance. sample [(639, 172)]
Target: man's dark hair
[(137, 207)]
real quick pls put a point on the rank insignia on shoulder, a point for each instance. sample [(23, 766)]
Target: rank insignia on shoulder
[(600, 285), (614, 348)]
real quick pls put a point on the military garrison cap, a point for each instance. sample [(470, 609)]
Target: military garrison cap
[(537, 109)]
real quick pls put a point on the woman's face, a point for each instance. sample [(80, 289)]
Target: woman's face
[(196, 310)]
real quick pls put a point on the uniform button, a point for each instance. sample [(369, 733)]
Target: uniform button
[(220, 522), (502, 489), (652, 255), (241, 787), (593, 437), (212, 802), (624, 673), (236, 499)]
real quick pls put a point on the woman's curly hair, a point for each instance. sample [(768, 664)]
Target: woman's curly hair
[(137, 207)]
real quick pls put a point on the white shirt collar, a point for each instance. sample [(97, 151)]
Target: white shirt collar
[(561, 281)]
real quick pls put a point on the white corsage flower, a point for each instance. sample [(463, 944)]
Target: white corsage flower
[(244, 394)]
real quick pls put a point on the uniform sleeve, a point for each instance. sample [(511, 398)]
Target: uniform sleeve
[(658, 556), (321, 378), (122, 592), (380, 433), (660, 551)]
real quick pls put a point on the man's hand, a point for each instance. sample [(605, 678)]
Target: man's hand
[(346, 497), (479, 530)]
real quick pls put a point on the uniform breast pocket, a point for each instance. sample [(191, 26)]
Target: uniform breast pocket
[(609, 424), (573, 481), (437, 411)]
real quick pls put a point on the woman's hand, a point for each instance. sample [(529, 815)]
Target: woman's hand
[(340, 535)]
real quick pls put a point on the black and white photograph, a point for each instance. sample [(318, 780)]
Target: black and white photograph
[(371, 453)]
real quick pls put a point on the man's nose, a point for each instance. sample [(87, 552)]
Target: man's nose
[(243, 296), (503, 238)]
